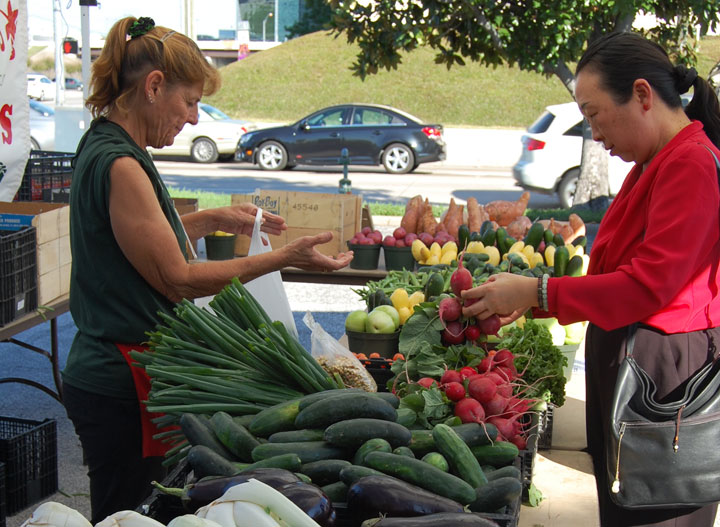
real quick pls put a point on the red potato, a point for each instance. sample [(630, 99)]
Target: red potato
[(426, 238), (455, 391), (409, 238), (399, 233), (469, 411), (389, 241), (400, 243), (366, 230)]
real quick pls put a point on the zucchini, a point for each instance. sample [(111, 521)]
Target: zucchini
[(352, 433), (289, 462), (499, 454), (497, 494), (307, 451), (436, 459), (330, 410), (198, 432), (336, 492), (297, 436), (317, 396), (206, 462), (324, 471), (351, 474), (277, 418), (423, 475), (233, 436), (475, 434), (371, 445), (459, 456)]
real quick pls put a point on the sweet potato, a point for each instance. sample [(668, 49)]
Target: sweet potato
[(413, 213), (453, 218), (503, 212), (569, 230), (473, 214), (429, 224), (518, 227)]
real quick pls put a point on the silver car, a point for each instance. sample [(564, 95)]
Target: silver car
[(42, 126), (214, 136)]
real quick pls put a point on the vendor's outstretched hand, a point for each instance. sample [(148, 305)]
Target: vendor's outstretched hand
[(240, 219), (301, 253)]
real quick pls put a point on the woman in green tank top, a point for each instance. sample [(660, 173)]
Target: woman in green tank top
[(129, 248)]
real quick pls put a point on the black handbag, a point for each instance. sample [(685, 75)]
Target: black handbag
[(664, 455)]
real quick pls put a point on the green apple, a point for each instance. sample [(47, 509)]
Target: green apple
[(355, 321), (574, 333), (379, 322), (390, 310), (556, 330)]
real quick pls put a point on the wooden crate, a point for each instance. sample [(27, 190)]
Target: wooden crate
[(307, 214), (185, 205), (52, 223)]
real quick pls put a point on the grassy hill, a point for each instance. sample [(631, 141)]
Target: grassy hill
[(289, 81)]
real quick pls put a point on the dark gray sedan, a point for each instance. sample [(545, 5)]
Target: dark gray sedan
[(373, 135)]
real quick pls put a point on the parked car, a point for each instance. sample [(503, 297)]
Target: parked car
[(42, 126), (40, 87), (373, 135), (72, 83), (552, 149), (214, 136)]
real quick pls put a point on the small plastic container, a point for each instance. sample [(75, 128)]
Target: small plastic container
[(366, 256), (399, 258), (220, 247), (385, 344)]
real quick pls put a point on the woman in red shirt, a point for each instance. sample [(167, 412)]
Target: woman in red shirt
[(655, 257)]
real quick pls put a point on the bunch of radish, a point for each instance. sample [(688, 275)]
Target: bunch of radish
[(457, 329), (488, 395)]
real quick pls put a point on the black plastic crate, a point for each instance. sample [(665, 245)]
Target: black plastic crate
[(47, 177), (163, 507), (545, 428), (3, 512), (18, 273), (380, 370), (29, 451), (527, 456)]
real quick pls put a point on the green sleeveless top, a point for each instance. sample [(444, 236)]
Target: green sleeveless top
[(109, 300)]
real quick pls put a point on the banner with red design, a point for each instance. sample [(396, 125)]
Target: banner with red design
[(14, 107)]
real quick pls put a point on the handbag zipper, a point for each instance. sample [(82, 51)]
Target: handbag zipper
[(676, 439), (616, 482)]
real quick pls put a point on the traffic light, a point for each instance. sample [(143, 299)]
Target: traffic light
[(70, 45)]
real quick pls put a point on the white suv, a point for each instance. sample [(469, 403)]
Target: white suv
[(552, 149), (40, 87)]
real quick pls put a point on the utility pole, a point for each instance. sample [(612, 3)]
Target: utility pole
[(86, 53), (189, 15), (59, 65)]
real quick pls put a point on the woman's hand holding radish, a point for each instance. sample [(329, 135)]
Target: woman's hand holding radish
[(506, 295)]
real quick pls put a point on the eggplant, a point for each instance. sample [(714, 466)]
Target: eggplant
[(374, 495), (312, 500), (441, 519), (202, 492)]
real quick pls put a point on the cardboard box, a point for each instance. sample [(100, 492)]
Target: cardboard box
[(52, 224), (185, 205), (307, 214)]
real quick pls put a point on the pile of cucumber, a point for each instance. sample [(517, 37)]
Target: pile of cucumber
[(348, 442)]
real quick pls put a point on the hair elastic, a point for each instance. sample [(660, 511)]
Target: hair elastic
[(141, 26), (684, 78)]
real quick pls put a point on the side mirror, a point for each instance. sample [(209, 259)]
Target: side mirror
[(304, 126)]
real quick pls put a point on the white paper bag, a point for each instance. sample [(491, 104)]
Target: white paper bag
[(268, 289)]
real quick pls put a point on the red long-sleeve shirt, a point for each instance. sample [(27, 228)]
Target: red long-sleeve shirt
[(656, 254)]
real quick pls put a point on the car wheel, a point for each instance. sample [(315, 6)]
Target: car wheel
[(398, 159), (34, 145), (204, 151), (272, 156), (566, 189)]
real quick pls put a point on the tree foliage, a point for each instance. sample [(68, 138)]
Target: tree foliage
[(315, 16), (534, 35)]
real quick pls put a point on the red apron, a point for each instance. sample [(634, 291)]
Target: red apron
[(150, 446)]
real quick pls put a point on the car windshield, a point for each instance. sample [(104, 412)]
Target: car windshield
[(214, 112), (542, 123)]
